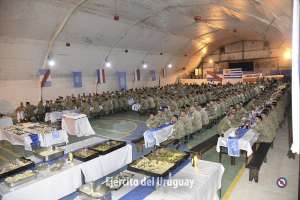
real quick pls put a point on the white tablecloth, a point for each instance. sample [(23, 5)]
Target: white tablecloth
[(158, 135), (245, 143), (106, 164), (5, 122), (56, 115), (48, 186), (55, 185), (206, 183), (77, 124), (46, 140)]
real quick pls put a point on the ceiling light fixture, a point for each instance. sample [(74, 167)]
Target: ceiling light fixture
[(51, 63)]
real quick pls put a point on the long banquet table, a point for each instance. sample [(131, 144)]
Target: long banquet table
[(55, 185), (206, 183)]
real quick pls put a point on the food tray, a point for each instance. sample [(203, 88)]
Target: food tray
[(93, 155), (103, 190), (57, 153), (30, 164), (110, 149), (122, 178), (22, 181), (153, 174)]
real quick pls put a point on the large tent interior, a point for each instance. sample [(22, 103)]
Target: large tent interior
[(149, 99)]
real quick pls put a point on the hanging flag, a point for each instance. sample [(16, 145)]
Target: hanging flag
[(45, 77), (133, 75), (103, 76), (138, 75), (236, 73), (98, 73), (164, 72), (77, 80), (153, 75)]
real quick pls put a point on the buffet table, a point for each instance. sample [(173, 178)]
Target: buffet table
[(106, 164), (55, 185), (77, 124), (205, 181), (57, 115), (46, 140), (47, 186)]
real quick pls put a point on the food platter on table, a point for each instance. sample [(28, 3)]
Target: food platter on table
[(108, 146), (158, 163), (85, 154), (16, 166)]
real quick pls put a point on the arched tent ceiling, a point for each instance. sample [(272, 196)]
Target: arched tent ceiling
[(151, 25)]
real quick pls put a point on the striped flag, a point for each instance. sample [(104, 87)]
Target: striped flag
[(103, 76), (138, 75), (45, 77), (100, 73), (236, 73), (132, 74)]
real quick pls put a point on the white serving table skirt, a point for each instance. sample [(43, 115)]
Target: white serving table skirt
[(207, 181), (48, 186), (46, 140), (77, 124), (55, 185), (245, 143), (106, 164)]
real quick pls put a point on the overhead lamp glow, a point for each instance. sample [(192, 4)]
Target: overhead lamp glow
[(287, 55), (211, 61), (170, 66), (51, 63), (107, 64), (145, 65)]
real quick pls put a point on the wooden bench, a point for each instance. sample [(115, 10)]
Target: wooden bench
[(258, 158), (205, 145)]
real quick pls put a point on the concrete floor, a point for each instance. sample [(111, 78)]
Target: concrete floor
[(278, 165)]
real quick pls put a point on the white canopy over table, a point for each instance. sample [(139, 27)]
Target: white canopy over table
[(77, 124)]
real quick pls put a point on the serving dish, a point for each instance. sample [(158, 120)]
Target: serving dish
[(117, 181), (21, 178), (85, 154), (49, 153), (158, 163), (94, 191), (16, 166), (108, 146)]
